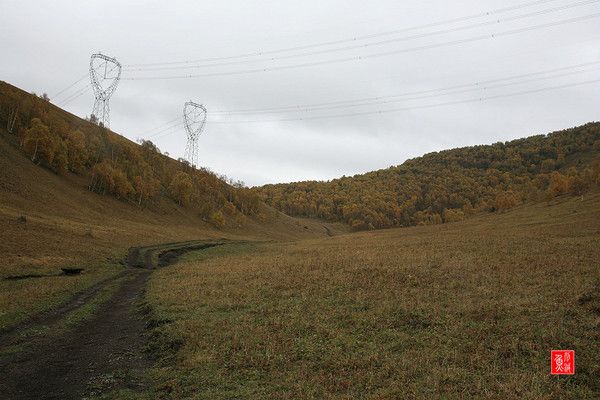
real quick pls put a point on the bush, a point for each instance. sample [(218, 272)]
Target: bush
[(559, 184), (217, 219), (180, 188), (505, 201), (453, 215)]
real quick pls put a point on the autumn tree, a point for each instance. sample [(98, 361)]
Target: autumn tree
[(453, 215), (505, 200), (559, 184), (180, 188), (121, 187), (146, 187), (76, 151), (60, 162), (39, 143), (102, 177), (217, 219), (577, 182)]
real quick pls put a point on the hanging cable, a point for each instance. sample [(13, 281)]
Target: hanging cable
[(355, 38), (382, 99), (70, 86), (377, 55), (379, 43), (485, 98)]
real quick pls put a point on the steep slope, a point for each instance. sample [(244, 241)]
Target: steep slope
[(111, 164), (61, 204), (453, 184), (51, 219)]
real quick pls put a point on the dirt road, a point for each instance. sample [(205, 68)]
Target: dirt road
[(102, 353)]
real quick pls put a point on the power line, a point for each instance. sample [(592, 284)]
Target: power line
[(355, 38), (473, 100), (170, 122), (71, 85), (379, 43), (168, 127), (382, 99), (75, 95), (376, 55), (431, 95), (55, 98)]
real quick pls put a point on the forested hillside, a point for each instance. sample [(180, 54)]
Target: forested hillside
[(450, 185), (114, 165), (438, 187)]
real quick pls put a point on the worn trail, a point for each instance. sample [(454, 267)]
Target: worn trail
[(102, 353)]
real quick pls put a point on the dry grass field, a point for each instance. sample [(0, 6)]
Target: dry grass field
[(463, 310), (48, 222)]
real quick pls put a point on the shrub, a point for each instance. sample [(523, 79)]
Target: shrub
[(559, 184), (217, 219), (453, 215), (506, 200)]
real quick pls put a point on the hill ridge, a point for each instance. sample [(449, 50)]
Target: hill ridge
[(452, 184)]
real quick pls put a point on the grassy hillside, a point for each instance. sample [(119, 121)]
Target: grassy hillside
[(464, 310), (113, 165), (453, 184), (51, 219)]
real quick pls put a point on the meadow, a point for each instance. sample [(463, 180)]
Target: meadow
[(462, 310), (50, 221)]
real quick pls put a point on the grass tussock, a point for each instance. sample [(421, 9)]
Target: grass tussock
[(464, 310)]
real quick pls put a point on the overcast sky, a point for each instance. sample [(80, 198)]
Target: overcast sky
[(46, 46)]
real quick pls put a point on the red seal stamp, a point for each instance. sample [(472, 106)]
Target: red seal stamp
[(562, 362)]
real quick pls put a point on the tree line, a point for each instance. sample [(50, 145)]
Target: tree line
[(451, 185), (116, 166)]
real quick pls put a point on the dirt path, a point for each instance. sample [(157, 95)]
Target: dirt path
[(103, 353), (91, 358)]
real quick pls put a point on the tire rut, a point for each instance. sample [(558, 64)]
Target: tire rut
[(100, 354)]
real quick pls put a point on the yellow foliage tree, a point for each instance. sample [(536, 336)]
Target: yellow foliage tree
[(38, 142), (146, 188), (121, 188), (76, 151), (559, 184), (453, 215), (180, 188), (505, 200), (217, 219)]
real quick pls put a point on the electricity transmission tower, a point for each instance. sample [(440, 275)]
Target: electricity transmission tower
[(105, 73), (194, 119)]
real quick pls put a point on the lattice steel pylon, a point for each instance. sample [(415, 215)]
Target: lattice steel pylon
[(105, 73), (194, 119)]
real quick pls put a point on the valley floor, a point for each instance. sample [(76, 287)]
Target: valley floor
[(463, 310)]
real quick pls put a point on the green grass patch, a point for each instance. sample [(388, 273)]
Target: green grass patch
[(22, 299), (227, 249), (88, 309)]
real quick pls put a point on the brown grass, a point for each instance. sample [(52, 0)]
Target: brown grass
[(464, 310), (66, 225)]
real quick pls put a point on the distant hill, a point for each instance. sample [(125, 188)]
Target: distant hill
[(453, 184), (438, 187)]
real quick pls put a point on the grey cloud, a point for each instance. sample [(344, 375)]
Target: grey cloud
[(49, 44)]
